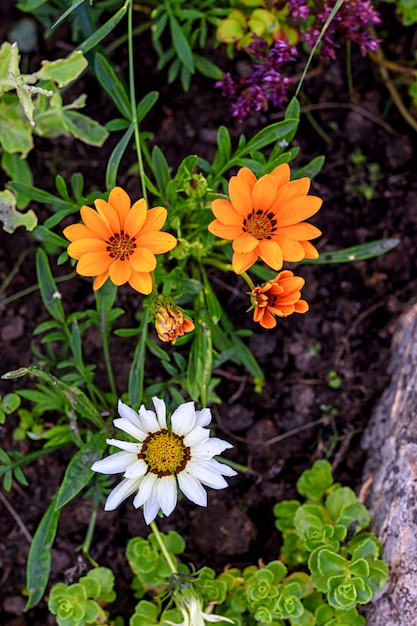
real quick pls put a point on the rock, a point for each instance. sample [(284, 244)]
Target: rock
[(390, 480)]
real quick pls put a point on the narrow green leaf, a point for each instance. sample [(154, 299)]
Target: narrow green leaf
[(146, 104), (48, 287), (181, 44), (200, 360), (112, 85), (356, 253), (270, 134), (84, 128), (38, 195), (161, 169), (207, 68), (64, 15), (311, 169), (103, 31), (116, 157), (137, 370), (39, 559), (78, 472)]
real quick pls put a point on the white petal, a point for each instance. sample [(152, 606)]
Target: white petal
[(125, 445), (203, 417), (131, 429), (222, 468), (121, 492), (128, 413), (145, 491), (167, 494), (148, 420), (151, 508), (161, 411), (115, 463), (192, 488), (183, 418), (212, 447), (136, 469), (197, 436), (206, 475)]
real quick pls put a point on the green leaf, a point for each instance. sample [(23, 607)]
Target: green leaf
[(112, 85), (17, 169), (356, 253), (181, 44), (74, 5), (15, 131), (137, 369), (39, 559), (103, 31), (200, 360), (116, 157), (207, 68), (64, 71), (161, 169), (78, 472), (84, 128), (48, 287), (146, 104), (273, 132), (11, 218)]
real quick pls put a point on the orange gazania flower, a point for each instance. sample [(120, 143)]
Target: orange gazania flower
[(170, 323), (264, 218), (278, 297), (119, 241)]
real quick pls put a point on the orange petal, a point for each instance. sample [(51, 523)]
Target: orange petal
[(155, 219), (297, 210), (293, 189), (142, 260), (82, 246), (120, 271), (300, 232), (78, 231), (93, 263), (268, 320), (264, 192), (301, 306), (100, 280), (120, 201), (225, 212), (310, 251), (271, 253), (109, 214), (96, 223), (247, 175), (245, 243), (136, 218), (293, 283), (281, 174), (156, 242), (240, 196), (141, 282), (291, 250), (225, 232), (242, 262)]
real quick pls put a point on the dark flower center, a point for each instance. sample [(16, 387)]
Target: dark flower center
[(120, 246), (261, 225)]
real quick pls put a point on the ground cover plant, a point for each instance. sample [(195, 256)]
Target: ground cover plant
[(164, 258)]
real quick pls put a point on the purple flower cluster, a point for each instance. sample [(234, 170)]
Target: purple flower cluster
[(271, 63)]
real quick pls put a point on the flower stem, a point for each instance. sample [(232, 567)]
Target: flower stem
[(171, 563), (132, 90)]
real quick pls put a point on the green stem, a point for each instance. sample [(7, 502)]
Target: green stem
[(90, 530), (172, 565), (132, 90), (225, 267)]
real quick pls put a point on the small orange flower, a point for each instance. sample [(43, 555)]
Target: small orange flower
[(264, 218), (278, 297), (170, 323), (119, 241)]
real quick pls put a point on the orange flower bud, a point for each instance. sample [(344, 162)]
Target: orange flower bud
[(170, 323)]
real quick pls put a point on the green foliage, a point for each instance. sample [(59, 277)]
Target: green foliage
[(407, 10), (79, 604)]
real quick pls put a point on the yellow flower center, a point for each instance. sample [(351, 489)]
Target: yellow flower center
[(165, 453), (120, 246), (260, 225)]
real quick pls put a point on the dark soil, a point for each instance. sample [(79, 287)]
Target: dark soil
[(353, 310)]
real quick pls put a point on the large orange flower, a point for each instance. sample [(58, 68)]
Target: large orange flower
[(278, 297), (119, 241), (264, 218)]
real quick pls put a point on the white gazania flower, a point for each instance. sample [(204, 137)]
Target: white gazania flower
[(168, 454), (191, 609)]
